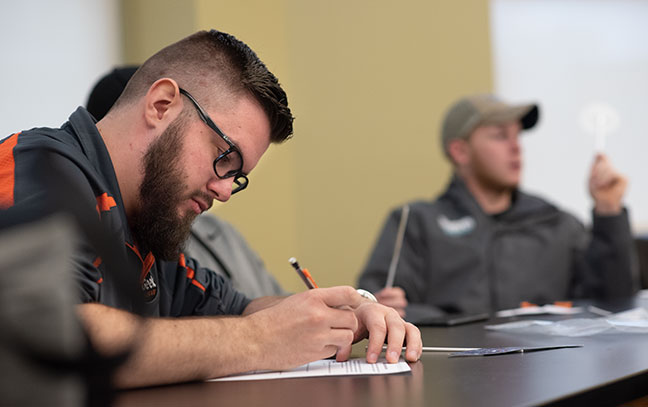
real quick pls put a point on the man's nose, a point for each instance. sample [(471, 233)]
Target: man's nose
[(222, 188), (514, 142)]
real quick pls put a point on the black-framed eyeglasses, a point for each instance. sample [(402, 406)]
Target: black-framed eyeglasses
[(230, 163)]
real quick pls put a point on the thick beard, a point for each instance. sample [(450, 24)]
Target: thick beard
[(157, 226)]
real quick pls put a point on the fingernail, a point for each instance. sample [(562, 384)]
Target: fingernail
[(372, 357), (393, 355), (411, 355)]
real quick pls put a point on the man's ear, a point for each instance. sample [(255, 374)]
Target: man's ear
[(459, 151), (162, 103)]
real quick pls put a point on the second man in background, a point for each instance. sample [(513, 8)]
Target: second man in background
[(485, 245)]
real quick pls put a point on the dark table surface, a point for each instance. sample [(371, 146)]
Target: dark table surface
[(611, 368)]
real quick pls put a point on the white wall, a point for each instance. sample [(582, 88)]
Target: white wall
[(52, 52), (566, 54)]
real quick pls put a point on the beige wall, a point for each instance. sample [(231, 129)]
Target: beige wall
[(368, 82), (149, 25)]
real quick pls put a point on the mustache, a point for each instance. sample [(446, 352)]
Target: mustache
[(202, 196)]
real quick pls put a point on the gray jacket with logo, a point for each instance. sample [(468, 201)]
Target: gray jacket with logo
[(457, 259)]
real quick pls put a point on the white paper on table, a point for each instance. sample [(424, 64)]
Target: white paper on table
[(539, 310), (631, 321), (326, 367)]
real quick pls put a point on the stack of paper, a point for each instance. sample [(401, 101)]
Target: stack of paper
[(326, 367)]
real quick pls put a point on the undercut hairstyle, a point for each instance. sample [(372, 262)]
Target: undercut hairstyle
[(216, 68)]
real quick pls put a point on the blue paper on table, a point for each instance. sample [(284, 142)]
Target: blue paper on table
[(509, 349)]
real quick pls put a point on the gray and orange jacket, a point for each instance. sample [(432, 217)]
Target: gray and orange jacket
[(169, 288)]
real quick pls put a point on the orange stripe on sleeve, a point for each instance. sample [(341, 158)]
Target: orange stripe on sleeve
[(190, 272), (105, 202), (97, 262), (7, 171), (197, 284), (181, 260)]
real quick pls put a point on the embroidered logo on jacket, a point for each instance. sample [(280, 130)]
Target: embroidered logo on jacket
[(149, 287), (456, 227)]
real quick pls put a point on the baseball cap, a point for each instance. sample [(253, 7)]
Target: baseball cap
[(476, 110)]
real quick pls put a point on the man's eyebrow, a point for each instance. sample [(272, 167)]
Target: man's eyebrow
[(235, 145), (240, 153), (220, 140)]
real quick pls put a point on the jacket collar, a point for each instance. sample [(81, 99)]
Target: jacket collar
[(523, 206)]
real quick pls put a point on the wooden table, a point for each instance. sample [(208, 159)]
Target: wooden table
[(610, 369)]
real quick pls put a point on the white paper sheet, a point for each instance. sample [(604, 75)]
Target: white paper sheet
[(538, 310), (326, 367), (631, 321)]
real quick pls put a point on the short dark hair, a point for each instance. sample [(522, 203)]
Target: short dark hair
[(212, 59)]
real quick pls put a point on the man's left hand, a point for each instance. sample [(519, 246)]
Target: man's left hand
[(379, 322)]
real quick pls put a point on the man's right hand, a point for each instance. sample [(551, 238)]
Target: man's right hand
[(319, 323), (393, 297), (305, 327)]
